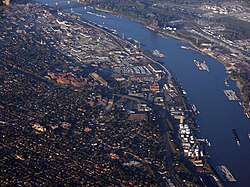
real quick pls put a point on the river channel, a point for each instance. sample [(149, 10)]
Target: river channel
[(218, 116)]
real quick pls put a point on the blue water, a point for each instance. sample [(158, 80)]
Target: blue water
[(205, 89)]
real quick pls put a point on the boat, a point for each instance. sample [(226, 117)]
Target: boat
[(208, 143), (249, 134), (98, 15), (204, 66), (236, 137), (226, 82), (205, 141), (134, 42), (163, 36), (201, 65), (184, 47), (194, 109), (225, 174), (184, 92), (157, 53)]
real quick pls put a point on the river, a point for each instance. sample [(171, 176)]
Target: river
[(205, 89)]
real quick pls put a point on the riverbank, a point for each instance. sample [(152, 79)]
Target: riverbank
[(194, 127), (243, 97), (184, 105), (204, 90)]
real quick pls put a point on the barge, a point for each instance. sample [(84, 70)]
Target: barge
[(225, 174), (236, 137)]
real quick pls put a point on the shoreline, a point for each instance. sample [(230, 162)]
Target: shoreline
[(166, 33), (198, 49), (184, 100), (167, 72)]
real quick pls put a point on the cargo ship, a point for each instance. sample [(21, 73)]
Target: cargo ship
[(201, 65), (236, 137)]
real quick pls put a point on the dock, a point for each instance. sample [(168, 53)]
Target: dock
[(225, 174)]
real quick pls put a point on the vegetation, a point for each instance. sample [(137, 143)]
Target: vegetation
[(244, 78)]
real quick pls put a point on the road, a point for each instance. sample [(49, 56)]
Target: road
[(161, 116)]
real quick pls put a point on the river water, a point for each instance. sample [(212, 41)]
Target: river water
[(205, 89)]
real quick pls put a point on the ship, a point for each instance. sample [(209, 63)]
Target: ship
[(184, 92), (97, 15), (163, 36), (204, 66), (157, 53), (249, 134), (236, 137), (188, 48), (225, 174), (226, 82), (205, 141), (201, 65), (184, 47), (134, 42), (195, 111)]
